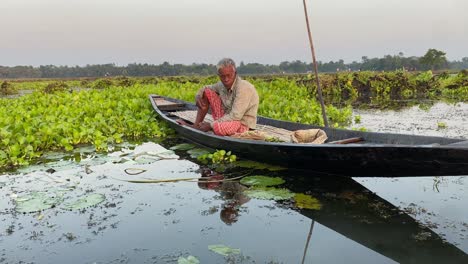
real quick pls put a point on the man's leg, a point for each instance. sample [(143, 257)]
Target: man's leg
[(212, 100), (229, 128)]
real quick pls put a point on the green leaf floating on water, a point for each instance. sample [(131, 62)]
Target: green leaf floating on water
[(305, 201), (257, 165), (183, 146), (188, 260), (90, 200), (194, 153), (37, 201), (259, 180), (224, 250), (269, 193)]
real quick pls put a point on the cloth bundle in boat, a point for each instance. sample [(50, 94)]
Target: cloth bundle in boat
[(314, 136)]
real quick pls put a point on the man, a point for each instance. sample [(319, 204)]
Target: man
[(233, 103)]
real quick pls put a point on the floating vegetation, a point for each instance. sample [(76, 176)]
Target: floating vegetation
[(145, 154), (109, 114), (37, 201), (305, 201), (56, 87), (218, 157), (257, 165), (441, 125), (188, 260), (183, 146), (259, 180), (224, 250), (197, 152), (269, 193), (85, 202)]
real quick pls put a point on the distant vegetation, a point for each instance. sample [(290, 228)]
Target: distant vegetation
[(432, 60)]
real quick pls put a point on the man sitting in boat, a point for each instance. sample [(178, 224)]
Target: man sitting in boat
[(233, 103)]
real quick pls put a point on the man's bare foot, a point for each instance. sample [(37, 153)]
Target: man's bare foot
[(204, 126)]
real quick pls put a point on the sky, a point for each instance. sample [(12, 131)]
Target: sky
[(80, 32)]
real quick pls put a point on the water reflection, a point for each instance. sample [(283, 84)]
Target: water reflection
[(157, 223), (355, 212), (231, 192)]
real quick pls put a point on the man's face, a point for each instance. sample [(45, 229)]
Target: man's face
[(227, 75)]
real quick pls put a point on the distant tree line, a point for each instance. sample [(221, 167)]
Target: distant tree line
[(432, 60)]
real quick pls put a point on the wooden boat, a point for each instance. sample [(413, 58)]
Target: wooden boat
[(346, 153)]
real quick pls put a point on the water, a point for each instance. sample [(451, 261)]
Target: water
[(404, 221)]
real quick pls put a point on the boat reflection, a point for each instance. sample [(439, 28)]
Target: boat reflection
[(360, 215), (353, 211)]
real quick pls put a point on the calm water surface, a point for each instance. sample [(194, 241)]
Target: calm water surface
[(366, 220)]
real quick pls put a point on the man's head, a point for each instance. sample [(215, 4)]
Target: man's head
[(227, 72)]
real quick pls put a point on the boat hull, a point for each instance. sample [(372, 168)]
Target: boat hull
[(427, 156)]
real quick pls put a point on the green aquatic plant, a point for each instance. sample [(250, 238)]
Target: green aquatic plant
[(188, 260), (218, 157), (183, 146), (269, 193), (305, 201), (85, 202), (260, 180), (37, 201), (59, 86), (441, 125), (197, 152), (224, 250), (33, 124), (249, 164)]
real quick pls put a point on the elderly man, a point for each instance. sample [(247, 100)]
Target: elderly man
[(233, 103)]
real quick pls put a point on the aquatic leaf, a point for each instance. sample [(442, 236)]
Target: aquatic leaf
[(257, 165), (146, 159), (88, 201), (305, 201), (269, 193), (260, 180), (167, 155), (188, 260), (183, 146), (37, 201), (195, 153), (224, 250)]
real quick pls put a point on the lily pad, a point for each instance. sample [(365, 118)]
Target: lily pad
[(259, 180), (257, 165), (269, 193), (37, 201), (183, 146), (305, 201), (188, 260), (224, 250), (195, 153), (146, 159), (88, 201)]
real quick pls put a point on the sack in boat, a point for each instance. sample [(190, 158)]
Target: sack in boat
[(252, 134), (315, 136)]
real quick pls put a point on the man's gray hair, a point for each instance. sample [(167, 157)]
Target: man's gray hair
[(225, 62)]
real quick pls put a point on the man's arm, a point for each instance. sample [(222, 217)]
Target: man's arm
[(239, 107)]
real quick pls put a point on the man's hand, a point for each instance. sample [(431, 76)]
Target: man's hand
[(202, 102)]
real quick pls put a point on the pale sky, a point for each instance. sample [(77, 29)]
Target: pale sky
[(80, 32)]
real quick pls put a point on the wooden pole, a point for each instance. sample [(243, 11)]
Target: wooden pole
[(319, 90)]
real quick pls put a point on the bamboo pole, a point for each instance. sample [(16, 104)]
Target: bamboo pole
[(319, 90)]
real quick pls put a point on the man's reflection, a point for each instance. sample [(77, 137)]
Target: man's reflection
[(231, 192)]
